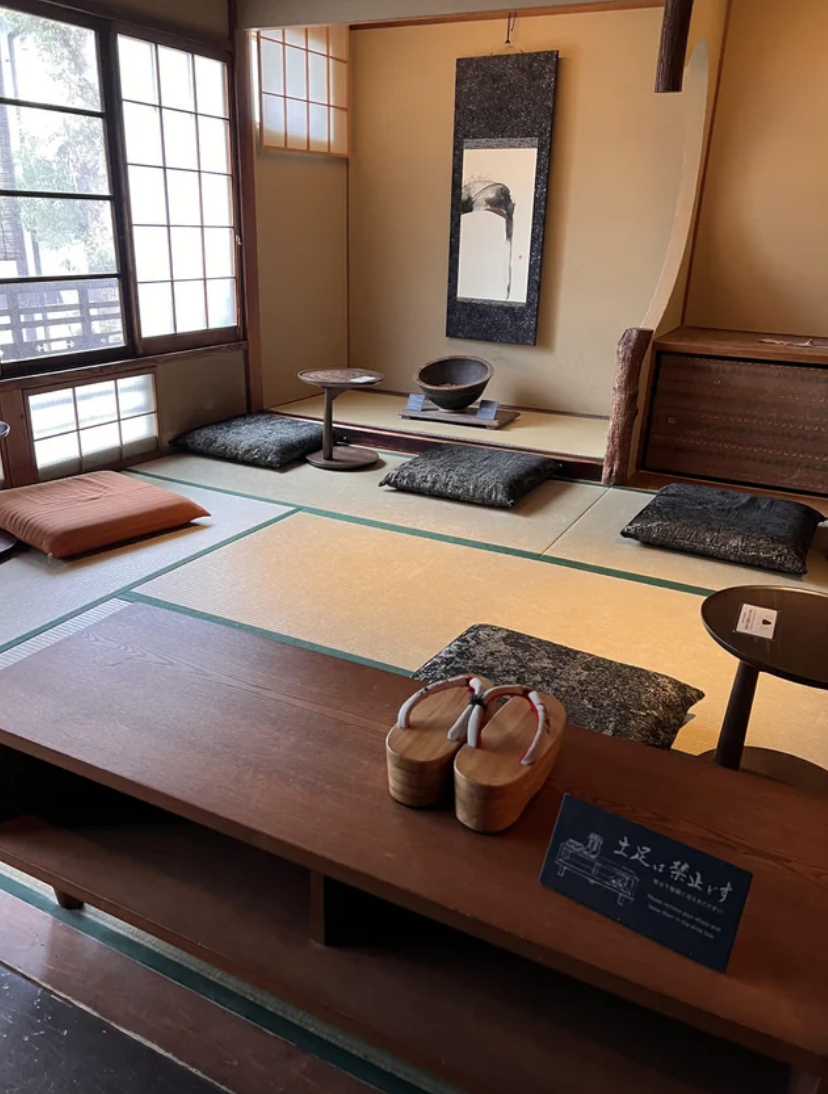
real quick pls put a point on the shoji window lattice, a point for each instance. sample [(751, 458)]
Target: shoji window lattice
[(303, 85)]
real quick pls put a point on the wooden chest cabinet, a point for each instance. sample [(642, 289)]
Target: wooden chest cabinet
[(740, 408)]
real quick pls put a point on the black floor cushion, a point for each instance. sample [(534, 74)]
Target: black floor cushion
[(263, 440), (483, 476), (750, 529), (606, 696)]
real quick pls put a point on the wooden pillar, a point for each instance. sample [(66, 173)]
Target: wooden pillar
[(672, 54), (246, 170), (632, 349), (18, 453)]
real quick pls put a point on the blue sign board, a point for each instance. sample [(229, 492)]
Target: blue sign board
[(677, 896), (415, 402)]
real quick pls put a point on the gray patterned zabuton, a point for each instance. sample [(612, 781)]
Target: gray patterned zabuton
[(771, 533), (606, 696), (263, 440), (483, 476)]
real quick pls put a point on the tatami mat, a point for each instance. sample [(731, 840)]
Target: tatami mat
[(544, 432), (36, 592), (533, 525), (595, 540), (397, 599)]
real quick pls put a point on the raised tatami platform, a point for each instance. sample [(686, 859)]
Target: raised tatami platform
[(540, 431)]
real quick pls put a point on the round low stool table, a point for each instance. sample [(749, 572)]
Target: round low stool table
[(7, 542), (333, 381), (780, 631)]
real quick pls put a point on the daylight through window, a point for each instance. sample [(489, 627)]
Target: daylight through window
[(178, 153), (90, 426), (60, 292), (303, 84)]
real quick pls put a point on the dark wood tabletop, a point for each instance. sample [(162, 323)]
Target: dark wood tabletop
[(283, 748), (798, 650), (341, 377)]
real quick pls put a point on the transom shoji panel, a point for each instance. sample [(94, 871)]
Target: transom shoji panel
[(303, 81)]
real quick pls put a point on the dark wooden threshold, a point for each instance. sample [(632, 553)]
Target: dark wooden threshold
[(410, 442)]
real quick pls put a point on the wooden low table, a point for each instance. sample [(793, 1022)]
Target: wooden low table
[(796, 650), (228, 794), (333, 381)]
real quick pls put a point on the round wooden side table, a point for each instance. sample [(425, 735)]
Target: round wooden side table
[(333, 381), (773, 629), (7, 542)]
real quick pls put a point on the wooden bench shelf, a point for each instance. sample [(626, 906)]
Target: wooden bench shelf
[(228, 795), (421, 990)]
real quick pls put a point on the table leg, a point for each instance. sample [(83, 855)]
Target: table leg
[(327, 427), (7, 544), (737, 716)]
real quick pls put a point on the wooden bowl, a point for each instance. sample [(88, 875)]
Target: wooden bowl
[(453, 383)]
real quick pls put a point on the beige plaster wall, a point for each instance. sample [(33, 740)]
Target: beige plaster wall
[(301, 215), (761, 260), (200, 388), (617, 165)]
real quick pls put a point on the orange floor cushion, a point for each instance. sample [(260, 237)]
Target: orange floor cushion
[(72, 516)]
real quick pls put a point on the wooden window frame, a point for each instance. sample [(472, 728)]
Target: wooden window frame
[(17, 449), (136, 347), (67, 382)]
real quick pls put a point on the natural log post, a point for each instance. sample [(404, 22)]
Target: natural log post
[(632, 349), (672, 54)]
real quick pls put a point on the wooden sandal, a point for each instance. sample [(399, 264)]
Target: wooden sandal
[(421, 746), (493, 783)]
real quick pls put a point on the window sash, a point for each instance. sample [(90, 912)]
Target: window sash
[(135, 346), (209, 335), (62, 361)]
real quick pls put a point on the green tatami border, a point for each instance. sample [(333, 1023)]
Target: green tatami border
[(136, 597), (119, 593), (295, 1034), (440, 537)]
